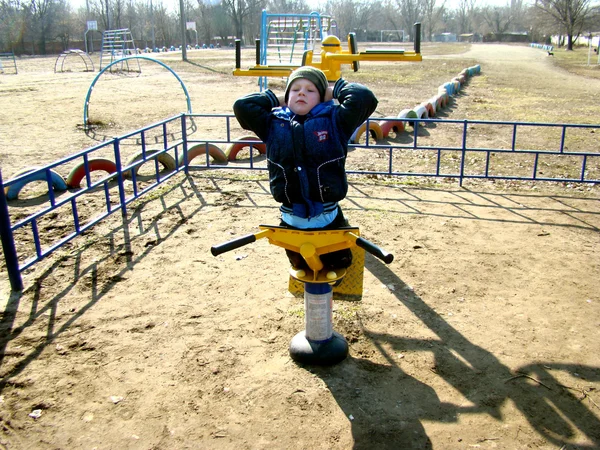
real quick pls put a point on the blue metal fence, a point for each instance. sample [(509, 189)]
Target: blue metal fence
[(426, 148)]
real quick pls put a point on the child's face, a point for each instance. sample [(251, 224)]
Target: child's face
[(303, 96)]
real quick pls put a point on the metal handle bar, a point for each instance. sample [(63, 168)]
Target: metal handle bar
[(238, 242), (232, 245), (374, 250), (250, 238)]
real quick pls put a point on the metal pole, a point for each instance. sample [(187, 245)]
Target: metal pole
[(183, 40), (152, 19), (8, 243)]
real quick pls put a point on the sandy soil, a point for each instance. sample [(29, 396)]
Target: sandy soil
[(483, 332)]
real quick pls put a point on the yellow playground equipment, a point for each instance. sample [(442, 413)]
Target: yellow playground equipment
[(318, 343), (332, 57)]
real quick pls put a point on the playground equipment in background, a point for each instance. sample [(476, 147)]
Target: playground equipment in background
[(86, 121), (7, 59), (285, 34), (318, 344), (89, 64), (285, 37), (332, 57), (116, 46)]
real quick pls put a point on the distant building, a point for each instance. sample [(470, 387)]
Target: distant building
[(444, 37), (510, 36)]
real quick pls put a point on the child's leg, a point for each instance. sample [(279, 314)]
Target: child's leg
[(341, 259)]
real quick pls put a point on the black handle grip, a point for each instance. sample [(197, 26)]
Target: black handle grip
[(418, 37), (238, 53), (232, 245), (374, 250)]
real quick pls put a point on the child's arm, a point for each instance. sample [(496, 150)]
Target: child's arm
[(253, 111), (357, 103)]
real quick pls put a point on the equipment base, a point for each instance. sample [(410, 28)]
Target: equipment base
[(326, 353)]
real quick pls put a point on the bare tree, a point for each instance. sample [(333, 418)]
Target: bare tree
[(118, 13), (497, 18), (43, 15), (464, 16), (411, 11), (101, 9), (351, 15), (289, 6), (239, 10), (166, 26), (431, 16), (65, 24), (570, 15), (12, 23)]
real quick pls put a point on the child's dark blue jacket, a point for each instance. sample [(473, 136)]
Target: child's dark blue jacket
[(307, 154)]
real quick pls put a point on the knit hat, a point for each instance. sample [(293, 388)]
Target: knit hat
[(316, 76)]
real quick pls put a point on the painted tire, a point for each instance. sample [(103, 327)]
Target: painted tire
[(374, 129), (421, 112), (445, 99), (78, 172), (449, 87), (235, 147), (438, 100), (166, 160), (397, 126), (217, 154), (456, 84), (429, 108), (38, 174), (408, 114)]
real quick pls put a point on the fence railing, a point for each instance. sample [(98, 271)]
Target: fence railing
[(105, 178)]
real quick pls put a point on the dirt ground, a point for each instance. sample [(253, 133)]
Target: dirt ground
[(482, 333)]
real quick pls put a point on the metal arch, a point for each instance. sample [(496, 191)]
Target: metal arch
[(64, 55), (147, 58)]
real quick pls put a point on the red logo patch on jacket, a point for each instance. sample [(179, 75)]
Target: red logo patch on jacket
[(322, 136)]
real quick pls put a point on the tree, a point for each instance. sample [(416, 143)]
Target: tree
[(464, 16), (12, 24), (411, 11), (570, 15), (288, 6), (497, 18), (431, 16), (239, 10), (65, 24), (352, 15), (43, 15)]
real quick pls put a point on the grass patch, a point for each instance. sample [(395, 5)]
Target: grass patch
[(576, 61)]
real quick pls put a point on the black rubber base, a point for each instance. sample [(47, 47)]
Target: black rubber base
[(333, 351)]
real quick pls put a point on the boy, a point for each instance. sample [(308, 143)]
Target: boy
[(307, 136)]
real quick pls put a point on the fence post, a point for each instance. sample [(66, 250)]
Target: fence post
[(120, 179), (8, 243), (463, 154), (186, 165)]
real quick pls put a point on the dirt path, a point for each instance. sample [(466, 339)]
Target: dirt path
[(483, 332)]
